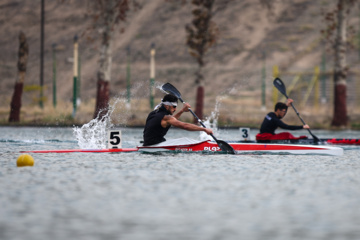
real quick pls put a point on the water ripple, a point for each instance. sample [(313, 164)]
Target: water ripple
[(175, 196)]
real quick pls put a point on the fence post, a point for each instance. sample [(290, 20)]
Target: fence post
[(357, 87), (317, 87), (311, 86), (275, 91), (128, 75), (75, 74), (359, 40), (263, 83), (152, 74), (323, 79), (78, 82), (42, 35), (54, 74)]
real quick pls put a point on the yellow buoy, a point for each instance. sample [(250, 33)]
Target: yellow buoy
[(25, 160)]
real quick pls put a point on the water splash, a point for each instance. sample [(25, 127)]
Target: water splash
[(159, 85), (93, 135), (212, 120)]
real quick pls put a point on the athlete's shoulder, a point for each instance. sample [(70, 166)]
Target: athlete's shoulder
[(270, 116)]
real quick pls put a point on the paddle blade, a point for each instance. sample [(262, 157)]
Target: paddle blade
[(316, 139), (169, 88), (225, 147), (280, 86)]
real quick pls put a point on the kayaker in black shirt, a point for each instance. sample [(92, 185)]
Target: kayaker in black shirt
[(273, 120), (160, 120)]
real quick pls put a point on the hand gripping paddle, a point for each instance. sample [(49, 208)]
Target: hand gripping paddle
[(224, 146), (281, 87)]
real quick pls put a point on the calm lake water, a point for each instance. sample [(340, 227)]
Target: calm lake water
[(174, 196)]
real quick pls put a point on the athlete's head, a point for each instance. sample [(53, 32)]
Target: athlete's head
[(170, 100), (170, 103), (281, 106), (280, 109)]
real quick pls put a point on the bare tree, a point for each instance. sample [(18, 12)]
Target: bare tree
[(202, 34), (15, 105), (107, 15), (267, 4), (337, 26), (336, 33), (340, 69)]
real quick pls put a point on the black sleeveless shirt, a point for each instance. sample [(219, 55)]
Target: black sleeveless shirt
[(153, 132)]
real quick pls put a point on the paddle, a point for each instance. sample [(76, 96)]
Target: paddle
[(224, 146), (281, 87)]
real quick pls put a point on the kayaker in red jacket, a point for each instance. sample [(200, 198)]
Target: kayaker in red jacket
[(161, 119), (273, 120)]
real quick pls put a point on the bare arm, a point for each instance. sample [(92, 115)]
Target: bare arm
[(185, 108), (170, 120), (288, 103)]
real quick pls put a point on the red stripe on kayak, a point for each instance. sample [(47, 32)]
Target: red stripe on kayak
[(210, 146), (347, 141), (84, 150), (203, 146)]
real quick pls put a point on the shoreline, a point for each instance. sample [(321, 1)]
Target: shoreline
[(46, 125), (231, 114)]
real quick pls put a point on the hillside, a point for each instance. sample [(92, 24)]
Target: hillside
[(289, 37)]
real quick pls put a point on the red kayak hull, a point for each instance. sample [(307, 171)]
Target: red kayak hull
[(250, 147), (343, 141), (207, 146)]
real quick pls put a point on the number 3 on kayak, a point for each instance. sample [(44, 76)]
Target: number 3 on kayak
[(114, 139), (244, 134)]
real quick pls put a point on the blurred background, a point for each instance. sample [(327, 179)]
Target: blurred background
[(150, 44)]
